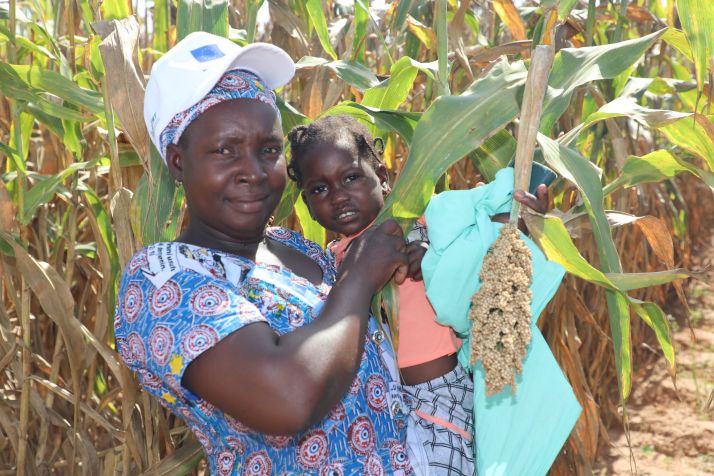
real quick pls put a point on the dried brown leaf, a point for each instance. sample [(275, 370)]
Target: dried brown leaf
[(508, 14), (126, 82), (56, 300), (8, 223)]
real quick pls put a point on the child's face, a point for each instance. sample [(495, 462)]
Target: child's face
[(343, 192)]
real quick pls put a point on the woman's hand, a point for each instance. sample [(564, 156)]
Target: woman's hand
[(415, 252), (376, 256)]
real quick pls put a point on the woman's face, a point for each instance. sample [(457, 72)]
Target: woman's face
[(233, 169)]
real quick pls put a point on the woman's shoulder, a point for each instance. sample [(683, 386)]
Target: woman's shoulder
[(159, 262), (296, 240)]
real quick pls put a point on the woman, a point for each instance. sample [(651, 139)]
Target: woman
[(247, 332)]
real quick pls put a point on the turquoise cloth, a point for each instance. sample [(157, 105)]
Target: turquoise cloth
[(517, 434)]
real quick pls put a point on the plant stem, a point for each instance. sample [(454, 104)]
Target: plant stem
[(590, 23), (536, 85), (621, 18)]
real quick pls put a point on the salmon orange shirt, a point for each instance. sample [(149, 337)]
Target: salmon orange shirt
[(421, 338)]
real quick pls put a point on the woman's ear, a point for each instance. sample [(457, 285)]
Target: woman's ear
[(383, 176), (174, 161)]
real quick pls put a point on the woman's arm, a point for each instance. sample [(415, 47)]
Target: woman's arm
[(284, 384)]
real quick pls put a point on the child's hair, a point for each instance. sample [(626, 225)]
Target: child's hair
[(331, 129)]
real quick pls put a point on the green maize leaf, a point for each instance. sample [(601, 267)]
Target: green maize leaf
[(43, 191), (25, 122), (361, 25), (655, 318), (311, 229), (573, 67), (290, 116), (424, 34), (586, 177), (694, 134), (285, 208), (202, 15), (53, 124), (106, 231), (157, 204), (654, 167), (393, 91), (619, 313), (626, 107), (678, 40), (15, 159), (631, 281), (59, 112), (401, 13), (161, 25), (116, 9), (23, 42), (554, 240), (403, 123), (96, 65), (355, 74), (564, 6), (72, 136), (452, 127), (317, 18), (495, 153), (13, 86), (697, 17)]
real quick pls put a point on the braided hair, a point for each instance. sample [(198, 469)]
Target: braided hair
[(327, 130)]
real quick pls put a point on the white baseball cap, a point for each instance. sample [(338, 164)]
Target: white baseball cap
[(189, 70)]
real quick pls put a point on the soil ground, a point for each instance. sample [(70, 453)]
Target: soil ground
[(672, 431)]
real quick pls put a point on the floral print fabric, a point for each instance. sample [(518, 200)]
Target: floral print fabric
[(178, 300)]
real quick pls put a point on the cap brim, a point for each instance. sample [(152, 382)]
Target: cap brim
[(272, 65)]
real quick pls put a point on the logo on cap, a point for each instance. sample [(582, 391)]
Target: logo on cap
[(207, 53)]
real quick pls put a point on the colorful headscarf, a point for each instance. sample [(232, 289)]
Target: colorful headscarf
[(234, 84)]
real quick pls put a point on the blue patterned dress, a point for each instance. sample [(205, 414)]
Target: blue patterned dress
[(178, 300)]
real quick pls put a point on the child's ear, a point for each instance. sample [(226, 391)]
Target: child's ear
[(309, 208), (383, 176)]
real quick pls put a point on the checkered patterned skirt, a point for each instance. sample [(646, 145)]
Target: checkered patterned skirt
[(441, 425)]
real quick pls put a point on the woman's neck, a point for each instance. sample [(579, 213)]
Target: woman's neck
[(245, 246)]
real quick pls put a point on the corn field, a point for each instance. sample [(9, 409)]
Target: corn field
[(626, 124)]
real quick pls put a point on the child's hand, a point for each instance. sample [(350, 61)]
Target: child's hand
[(415, 252), (540, 203)]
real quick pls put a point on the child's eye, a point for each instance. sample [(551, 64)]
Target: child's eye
[(318, 189), (351, 177), (222, 151)]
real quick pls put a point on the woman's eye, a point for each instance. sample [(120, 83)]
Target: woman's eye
[(276, 150)]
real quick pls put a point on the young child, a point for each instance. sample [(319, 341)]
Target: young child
[(338, 166)]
